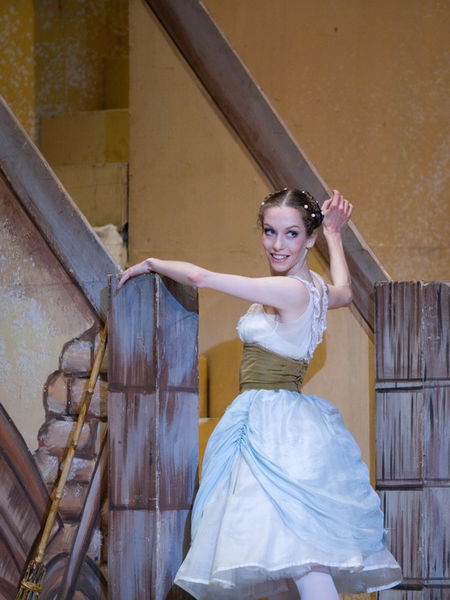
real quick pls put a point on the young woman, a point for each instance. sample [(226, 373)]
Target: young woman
[(285, 506)]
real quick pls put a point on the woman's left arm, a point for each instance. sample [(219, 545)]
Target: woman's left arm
[(337, 211)]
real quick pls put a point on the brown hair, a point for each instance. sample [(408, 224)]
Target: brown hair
[(306, 205)]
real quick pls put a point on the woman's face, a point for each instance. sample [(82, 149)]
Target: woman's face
[(284, 239)]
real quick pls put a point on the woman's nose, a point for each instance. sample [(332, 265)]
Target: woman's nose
[(278, 243)]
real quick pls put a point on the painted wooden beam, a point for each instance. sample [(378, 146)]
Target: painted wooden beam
[(248, 111), (21, 521), (90, 517), (153, 434), (59, 220)]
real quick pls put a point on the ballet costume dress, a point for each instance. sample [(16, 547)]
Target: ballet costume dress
[(284, 490)]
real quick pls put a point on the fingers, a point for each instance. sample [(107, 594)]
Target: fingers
[(338, 201), (125, 277)]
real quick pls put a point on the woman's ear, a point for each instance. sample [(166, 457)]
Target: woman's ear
[(311, 240)]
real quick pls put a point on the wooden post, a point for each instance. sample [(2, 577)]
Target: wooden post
[(413, 421), (153, 434)]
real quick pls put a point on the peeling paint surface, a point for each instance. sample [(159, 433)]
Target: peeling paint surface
[(41, 310)]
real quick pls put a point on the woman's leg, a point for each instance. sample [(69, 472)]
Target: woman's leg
[(317, 585)]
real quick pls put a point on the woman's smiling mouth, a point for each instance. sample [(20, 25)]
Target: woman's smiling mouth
[(279, 257)]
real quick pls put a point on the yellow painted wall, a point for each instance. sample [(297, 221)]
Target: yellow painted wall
[(364, 88), (17, 73), (81, 55)]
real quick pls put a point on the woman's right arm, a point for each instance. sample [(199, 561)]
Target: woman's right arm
[(283, 293)]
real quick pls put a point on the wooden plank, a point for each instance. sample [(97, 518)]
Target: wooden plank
[(436, 302), (177, 320), (437, 438), (423, 594), (153, 429), (89, 519), (437, 536), (132, 451), (22, 519), (266, 137), (64, 228), (398, 332), (178, 414), (404, 513), (399, 436), (132, 330)]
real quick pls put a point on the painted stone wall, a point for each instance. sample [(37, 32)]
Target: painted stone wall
[(42, 309)]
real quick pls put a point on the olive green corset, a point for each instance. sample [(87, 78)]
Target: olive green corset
[(262, 369)]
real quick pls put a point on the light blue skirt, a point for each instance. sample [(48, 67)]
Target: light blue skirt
[(284, 490)]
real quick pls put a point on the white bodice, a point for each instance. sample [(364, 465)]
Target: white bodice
[(297, 339)]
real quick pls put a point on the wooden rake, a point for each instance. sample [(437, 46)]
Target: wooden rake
[(31, 584)]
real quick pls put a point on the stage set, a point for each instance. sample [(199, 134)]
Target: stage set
[(120, 520)]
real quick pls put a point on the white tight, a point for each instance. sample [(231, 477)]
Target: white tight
[(317, 585)]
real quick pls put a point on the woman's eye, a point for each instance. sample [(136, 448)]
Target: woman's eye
[(292, 234), (268, 231)]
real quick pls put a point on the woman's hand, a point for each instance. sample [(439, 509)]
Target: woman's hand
[(337, 211), (139, 269)]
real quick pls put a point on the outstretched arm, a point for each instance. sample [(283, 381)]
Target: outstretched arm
[(287, 295), (337, 211)]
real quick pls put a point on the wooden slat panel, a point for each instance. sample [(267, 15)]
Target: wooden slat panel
[(426, 594), (132, 323), (416, 348), (437, 329), (64, 228), (174, 543), (437, 438), (178, 324), (178, 449), (437, 536), (398, 332), (399, 438), (132, 451), (404, 510), (131, 548), (248, 111)]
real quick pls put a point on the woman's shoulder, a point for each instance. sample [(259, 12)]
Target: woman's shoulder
[(317, 282)]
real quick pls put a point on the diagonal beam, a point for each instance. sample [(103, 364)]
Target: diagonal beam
[(52, 211), (248, 111)]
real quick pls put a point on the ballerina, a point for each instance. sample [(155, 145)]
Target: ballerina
[(285, 507)]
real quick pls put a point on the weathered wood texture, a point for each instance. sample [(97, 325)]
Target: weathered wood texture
[(22, 517), (64, 228), (90, 517), (413, 421), (248, 111), (153, 429)]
